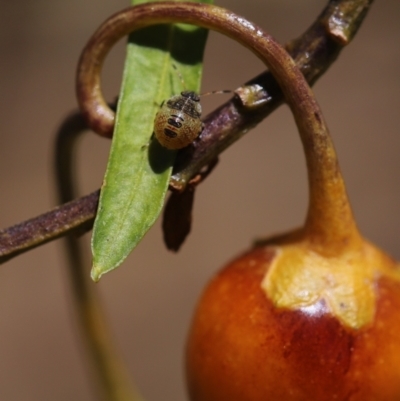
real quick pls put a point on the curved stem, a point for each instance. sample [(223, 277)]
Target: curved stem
[(112, 375), (329, 217)]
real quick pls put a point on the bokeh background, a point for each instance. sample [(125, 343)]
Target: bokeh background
[(259, 187)]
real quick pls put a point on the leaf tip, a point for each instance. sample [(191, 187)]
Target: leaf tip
[(96, 273)]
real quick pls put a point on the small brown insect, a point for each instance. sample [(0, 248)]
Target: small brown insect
[(177, 124)]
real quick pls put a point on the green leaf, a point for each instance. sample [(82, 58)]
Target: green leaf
[(139, 169)]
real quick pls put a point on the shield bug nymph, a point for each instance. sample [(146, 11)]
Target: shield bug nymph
[(177, 123)]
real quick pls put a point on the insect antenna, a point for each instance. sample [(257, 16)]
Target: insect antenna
[(220, 92), (216, 92)]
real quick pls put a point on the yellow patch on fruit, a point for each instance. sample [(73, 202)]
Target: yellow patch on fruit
[(299, 277)]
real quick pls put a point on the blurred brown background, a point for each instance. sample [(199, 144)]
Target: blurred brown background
[(259, 187)]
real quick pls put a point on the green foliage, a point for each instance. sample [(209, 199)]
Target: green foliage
[(139, 169)]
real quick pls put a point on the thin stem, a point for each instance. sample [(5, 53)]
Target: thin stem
[(112, 375), (75, 217)]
